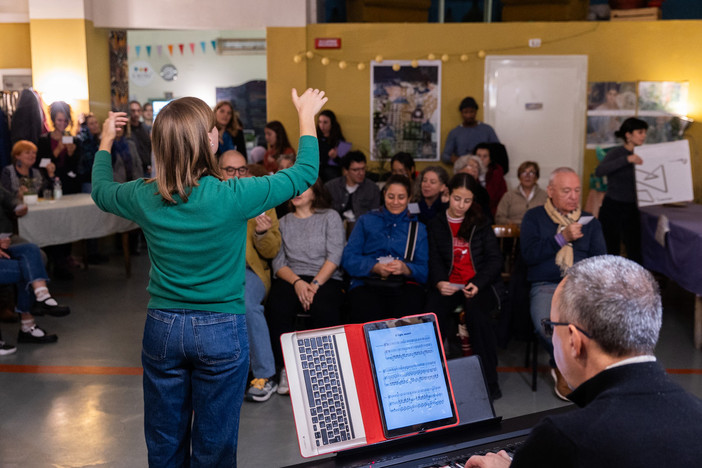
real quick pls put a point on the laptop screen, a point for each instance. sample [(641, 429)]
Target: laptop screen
[(410, 375)]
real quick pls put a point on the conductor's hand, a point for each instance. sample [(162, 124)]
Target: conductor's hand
[(491, 460), (310, 102), (573, 232), (109, 128)]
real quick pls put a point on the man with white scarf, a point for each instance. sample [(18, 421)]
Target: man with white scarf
[(553, 238)]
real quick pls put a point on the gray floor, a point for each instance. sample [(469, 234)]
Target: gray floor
[(78, 403)]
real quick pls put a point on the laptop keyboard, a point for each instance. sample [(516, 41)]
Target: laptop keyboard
[(326, 393)]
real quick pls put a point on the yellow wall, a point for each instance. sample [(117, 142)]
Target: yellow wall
[(98, 56), (16, 51), (617, 51), (59, 62)]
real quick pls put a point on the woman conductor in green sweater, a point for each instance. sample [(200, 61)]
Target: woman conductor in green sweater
[(195, 348)]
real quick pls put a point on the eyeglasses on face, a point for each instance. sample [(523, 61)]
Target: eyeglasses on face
[(548, 325), (231, 170), (528, 173)]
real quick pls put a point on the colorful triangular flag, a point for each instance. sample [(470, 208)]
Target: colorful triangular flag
[(214, 45), (203, 45), (160, 49), (180, 46), (192, 48), (148, 50), (138, 50), (170, 49)]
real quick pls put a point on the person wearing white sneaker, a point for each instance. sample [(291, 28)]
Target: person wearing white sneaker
[(22, 265)]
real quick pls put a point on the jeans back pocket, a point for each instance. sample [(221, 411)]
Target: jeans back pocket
[(157, 330), (218, 336)]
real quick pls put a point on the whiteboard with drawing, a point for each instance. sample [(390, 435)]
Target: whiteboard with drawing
[(665, 175)]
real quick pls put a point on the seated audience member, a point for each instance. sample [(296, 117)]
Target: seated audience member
[(403, 164), (494, 176), (65, 156), (329, 135), (353, 195), (262, 245), (89, 138), (432, 192), (22, 265), (140, 133), (552, 240), (307, 275), (387, 276), (527, 195), (605, 320), (21, 177), (278, 144), (464, 262), (230, 129), (256, 155), (462, 139), (471, 164)]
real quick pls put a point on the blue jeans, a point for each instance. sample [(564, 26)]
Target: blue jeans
[(24, 267), (262, 361), (541, 296), (195, 368)]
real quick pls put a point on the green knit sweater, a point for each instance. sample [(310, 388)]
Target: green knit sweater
[(197, 249)]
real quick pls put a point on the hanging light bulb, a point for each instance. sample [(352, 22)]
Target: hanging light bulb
[(342, 65), (297, 58), (325, 61), (464, 57), (361, 66), (378, 58), (415, 63), (445, 58), (396, 67), (431, 57), (481, 54), (309, 54)]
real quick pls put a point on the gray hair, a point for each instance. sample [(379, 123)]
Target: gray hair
[(560, 170), (616, 301), (462, 162)]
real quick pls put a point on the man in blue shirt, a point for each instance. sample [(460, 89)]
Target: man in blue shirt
[(462, 139)]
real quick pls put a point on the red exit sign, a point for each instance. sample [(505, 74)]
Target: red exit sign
[(327, 43)]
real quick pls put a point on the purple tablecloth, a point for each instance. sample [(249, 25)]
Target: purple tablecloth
[(681, 258)]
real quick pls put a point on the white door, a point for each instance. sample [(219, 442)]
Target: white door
[(537, 106)]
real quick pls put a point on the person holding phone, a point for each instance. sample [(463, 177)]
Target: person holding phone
[(195, 351)]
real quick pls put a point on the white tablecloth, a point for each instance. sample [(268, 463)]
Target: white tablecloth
[(73, 217)]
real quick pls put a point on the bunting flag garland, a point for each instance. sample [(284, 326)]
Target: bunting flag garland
[(159, 48)]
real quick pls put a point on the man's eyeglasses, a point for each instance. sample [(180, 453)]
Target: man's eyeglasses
[(231, 170), (548, 325)]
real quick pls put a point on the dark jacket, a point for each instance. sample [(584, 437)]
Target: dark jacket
[(632, 416), (364, 199), (67, 167), (484, 253), (381, 233), (539, 246)]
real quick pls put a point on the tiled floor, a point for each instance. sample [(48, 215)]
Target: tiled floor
[(78, 403)]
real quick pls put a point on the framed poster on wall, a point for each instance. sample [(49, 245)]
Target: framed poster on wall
[(405, 109)]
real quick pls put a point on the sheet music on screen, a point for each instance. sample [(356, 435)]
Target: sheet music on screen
[(411, 382)]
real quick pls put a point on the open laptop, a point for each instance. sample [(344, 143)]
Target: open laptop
[(359, 384)]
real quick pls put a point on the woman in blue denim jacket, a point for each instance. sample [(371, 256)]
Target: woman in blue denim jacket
[(384, 283)]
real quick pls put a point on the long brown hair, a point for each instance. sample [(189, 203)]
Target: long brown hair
[(182, 150), (232, 126)]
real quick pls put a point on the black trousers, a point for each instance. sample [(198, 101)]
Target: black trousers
[(621, 222), (283, 307), (369, 303), (480, 330)]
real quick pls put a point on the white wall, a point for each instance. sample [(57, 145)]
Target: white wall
[(198, 74), (202, 14)]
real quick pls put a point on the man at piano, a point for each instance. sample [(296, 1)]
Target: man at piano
[(605, 320)]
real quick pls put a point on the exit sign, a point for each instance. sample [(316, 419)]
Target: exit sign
[(327, 43)]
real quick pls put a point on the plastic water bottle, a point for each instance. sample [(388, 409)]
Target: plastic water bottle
[(58, 190)]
